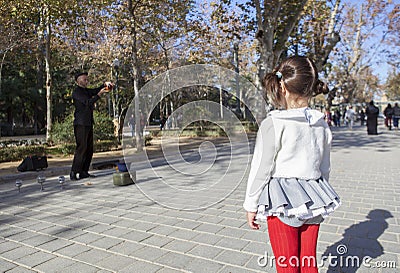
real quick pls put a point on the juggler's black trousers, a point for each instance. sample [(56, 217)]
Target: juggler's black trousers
[(84, 148)]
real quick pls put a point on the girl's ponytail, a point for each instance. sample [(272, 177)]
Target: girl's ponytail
[(273, 87), (321, 88)]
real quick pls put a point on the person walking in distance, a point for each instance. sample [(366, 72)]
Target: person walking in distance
[(350, 117), (396, 116), (288, 180), (388, 112), (84, 99), (372, 113)]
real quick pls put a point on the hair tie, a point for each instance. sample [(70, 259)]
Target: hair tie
[(279, 75)]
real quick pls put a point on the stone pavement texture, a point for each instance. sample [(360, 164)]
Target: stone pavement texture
[(93, 226)]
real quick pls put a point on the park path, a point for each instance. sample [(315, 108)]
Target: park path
[(93, 226)]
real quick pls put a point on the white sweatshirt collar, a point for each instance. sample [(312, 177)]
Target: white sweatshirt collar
[(306, 114)]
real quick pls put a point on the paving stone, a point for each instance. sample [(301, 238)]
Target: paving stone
[(38, 240), (188, 224), (206, 266), (92, 256), (22, 236), (98, 228), (143, 226), (40, 226), (20, 269), (233, 257), (19, 252), (156, 240), (72, 250), (106, 242), (55, 245), (149, 253), (35, 259), (208, 252), (175, 260), (6, 231), (180, 246), (168, 270), (183, 234), (8, 246), (210, 228), (232, 243), (127, 223), (257, 248), (211, 219), (209, 239), (163, 230), (6, 265), (232, 232), (140, 266), (126, 248), (231, 269), (136, 236), (54, 265), (87, 238), (80, 267), (115, 262), (68, 233), (255, 235)]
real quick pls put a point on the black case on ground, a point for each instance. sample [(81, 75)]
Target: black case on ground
[(33, 163)]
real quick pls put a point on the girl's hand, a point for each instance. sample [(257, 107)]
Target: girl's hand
[(251, 218)]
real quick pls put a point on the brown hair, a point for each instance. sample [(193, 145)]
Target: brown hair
[(299, 75)]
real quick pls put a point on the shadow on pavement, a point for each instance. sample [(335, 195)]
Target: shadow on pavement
[(358, 137), (359, 245)]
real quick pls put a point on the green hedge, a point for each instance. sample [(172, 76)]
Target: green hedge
[(18, 153), (63, 131), (98, 146)]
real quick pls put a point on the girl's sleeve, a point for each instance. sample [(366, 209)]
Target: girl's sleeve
[(325, 166), (262, 164)]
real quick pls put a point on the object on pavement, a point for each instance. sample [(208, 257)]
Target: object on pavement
[(123, 178), (33, 163)]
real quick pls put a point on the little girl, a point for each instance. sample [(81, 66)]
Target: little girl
[(288, 181)]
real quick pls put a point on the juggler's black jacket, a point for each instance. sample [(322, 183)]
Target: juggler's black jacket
[(84, 100)]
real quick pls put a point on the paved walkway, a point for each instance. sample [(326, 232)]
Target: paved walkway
[(93, 226)]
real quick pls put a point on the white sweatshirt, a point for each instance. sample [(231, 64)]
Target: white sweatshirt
[(290, 143)]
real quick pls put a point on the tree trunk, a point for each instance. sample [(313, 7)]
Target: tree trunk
[(135, 71), (272, 42), (39, 75), (48, 74)]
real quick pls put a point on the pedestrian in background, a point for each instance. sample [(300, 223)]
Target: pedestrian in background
[(362, 117), (396, 116), (288, 181), (372, 113), (350, 116), (328, 117), (388, 112), (336, 118), (131, 123), (84, 100)]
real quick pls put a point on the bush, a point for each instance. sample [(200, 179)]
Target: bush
[(18, 153), (63, 131), (98, 146), (105, 145), (103, 129)]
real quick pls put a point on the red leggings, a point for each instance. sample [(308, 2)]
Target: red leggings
[(294, 247)]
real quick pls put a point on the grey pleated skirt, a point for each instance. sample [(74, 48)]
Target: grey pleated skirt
[(297, 201)]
